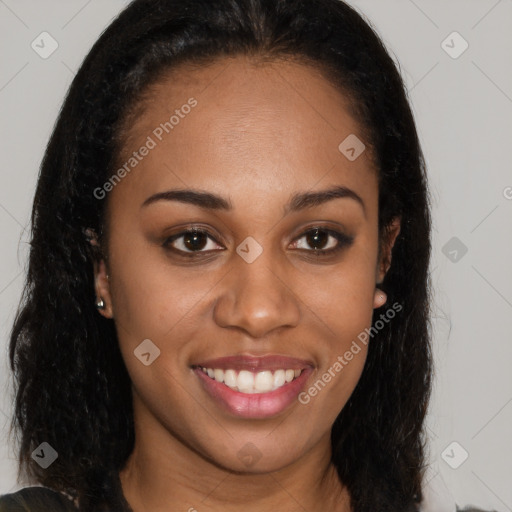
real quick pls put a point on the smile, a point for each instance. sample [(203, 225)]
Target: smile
[(249, 382), (253, 387)]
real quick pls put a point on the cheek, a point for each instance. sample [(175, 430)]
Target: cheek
[(342, 305), (167, 304), (152, 297), (342, 298), (155, 302), (345, 312)]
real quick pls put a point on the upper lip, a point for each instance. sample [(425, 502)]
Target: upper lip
[(250, 362)]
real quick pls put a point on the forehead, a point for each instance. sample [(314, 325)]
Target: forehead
[(267, 126)]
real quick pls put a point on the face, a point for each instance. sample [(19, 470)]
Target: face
[(275, 284)]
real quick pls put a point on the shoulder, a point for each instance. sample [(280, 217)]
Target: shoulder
[(35, 499)]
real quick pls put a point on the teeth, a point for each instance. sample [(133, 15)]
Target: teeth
[(245, 382), (230, 378), (264, 382), (279, 379), (250, 382)]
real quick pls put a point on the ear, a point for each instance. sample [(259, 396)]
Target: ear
[(389, 238), (101, 277), (102, 287)]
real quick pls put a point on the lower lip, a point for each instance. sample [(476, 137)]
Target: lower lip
[(257, 405)]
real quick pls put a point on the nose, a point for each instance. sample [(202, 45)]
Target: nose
[(258, 298)]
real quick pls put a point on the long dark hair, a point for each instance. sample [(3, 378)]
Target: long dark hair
[(72, 388)]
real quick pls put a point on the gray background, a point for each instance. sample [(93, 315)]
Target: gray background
[(463, 108)]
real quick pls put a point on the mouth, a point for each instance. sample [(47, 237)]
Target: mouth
[(249, 382), (253, 387)]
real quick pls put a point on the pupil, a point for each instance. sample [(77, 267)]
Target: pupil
[(314, 238), (192, 241)]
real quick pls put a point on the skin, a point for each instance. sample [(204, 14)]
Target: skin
[(258, 135)]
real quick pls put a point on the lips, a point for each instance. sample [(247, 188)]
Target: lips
[(242, 385), (255, 363)]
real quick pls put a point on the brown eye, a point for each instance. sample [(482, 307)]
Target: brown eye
[(317, 239), (324, 241), (189, 242)]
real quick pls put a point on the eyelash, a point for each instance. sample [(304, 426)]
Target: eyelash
[(343, 241)]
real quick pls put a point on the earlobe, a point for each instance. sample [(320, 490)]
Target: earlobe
[(103, 299), (379, 298)]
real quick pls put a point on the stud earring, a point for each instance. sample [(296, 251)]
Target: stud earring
[(100, 303), (380, 298)]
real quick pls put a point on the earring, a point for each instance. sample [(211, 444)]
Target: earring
[(100, 303), (380, 298)]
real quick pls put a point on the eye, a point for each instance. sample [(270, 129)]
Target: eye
[(324, 241), (194, 241), (190, 242)]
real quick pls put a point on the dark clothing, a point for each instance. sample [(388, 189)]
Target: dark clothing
[(36, 499), (42, 499)]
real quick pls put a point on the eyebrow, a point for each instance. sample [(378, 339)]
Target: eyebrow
[(298, 201)]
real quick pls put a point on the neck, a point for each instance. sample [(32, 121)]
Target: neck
[(163, 473)]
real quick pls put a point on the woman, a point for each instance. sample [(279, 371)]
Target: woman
[(227, 298)]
